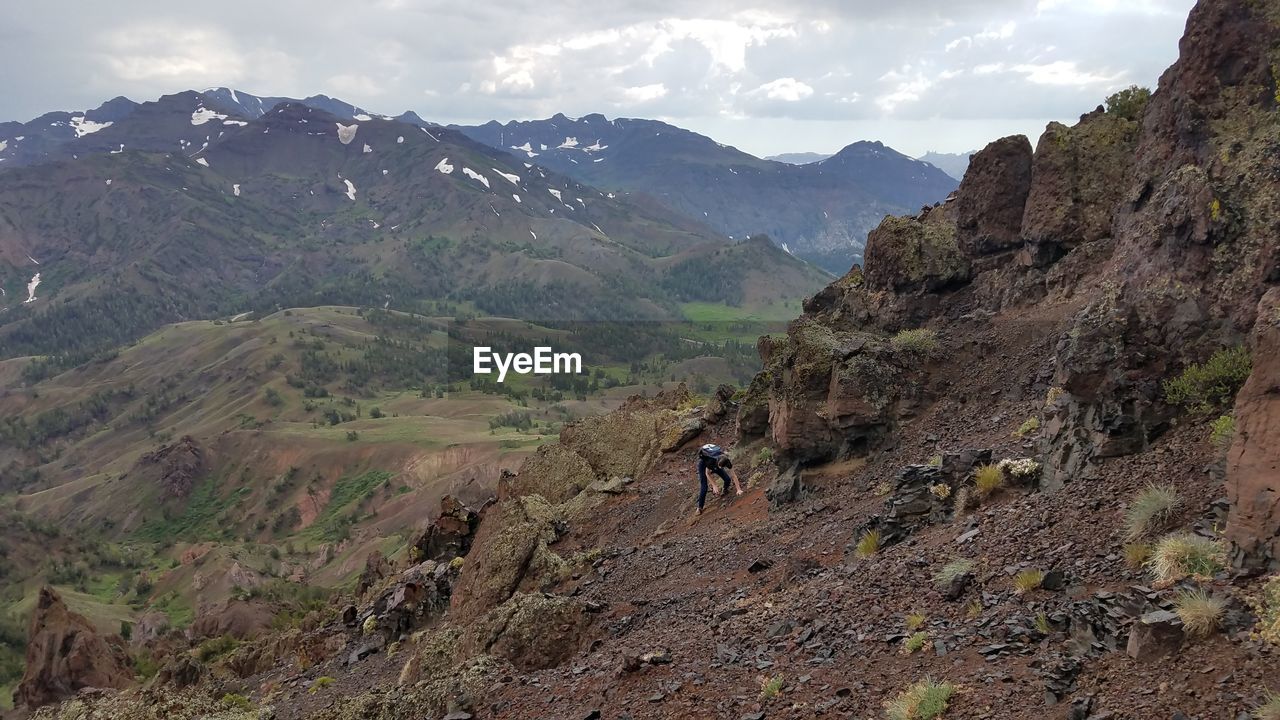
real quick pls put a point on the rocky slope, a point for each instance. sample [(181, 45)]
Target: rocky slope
[(820, 211), (944, 460)]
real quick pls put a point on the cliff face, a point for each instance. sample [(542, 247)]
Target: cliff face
[(1155, 236)]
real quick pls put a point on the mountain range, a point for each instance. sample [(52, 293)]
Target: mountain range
[(821, 211), (120, 219)]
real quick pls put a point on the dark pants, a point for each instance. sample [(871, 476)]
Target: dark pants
[(703, 466)]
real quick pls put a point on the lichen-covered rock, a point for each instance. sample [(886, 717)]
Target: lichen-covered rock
[(1253, 464), (1078, 178), (992, 197), (532, 631), (556, 472), (151, 704), (916, 254), (66, 654), (510, 553)]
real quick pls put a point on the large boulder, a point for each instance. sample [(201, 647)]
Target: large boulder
[(66, 654), (1253, 464), (1078, 178), (992, 197)]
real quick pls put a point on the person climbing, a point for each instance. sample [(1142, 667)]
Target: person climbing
[(713, 457)]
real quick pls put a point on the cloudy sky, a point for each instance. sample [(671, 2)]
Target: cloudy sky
[(767, 76)]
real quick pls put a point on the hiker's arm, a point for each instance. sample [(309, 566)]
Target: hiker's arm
[(737, 487)]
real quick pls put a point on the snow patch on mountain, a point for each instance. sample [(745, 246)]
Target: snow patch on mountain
[(31, 289), (444, 166), (239, 123), (351, 189), (83, 126), (513, 179), (400, 140), (428, 132), (202, 115), (475, 176), (556, 193), (203, 162), (347, 133), (3, 144), (516, 197), (596, 147), (367, 149), (569, 142), (526, 148), (361, 117)]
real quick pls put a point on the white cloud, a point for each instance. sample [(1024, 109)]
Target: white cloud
[(1063, 72), (786, 89), (645, 93)]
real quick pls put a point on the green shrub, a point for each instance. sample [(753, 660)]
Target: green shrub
[(915, 621), (1202, 387), (1267, 606), (1129, 102), (214, 648), (914, 643), (1182, 554), (924, 700), (1222, 431), (921, 342), (1200, 612), (1151, 511), (771, 687), (951, 571), (320, 683), (1029, 427), (236, 702)]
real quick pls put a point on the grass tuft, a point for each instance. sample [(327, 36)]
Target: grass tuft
[(920, 342), (1182, 554), (1151, 511), (1267, 605), (1136, 554), (1201, 613), (868, 544), (915, 621), (1269, 709), (951, 571), (924, 700), (988, 479), (1028, 580), (1042, 623), (320, 683)]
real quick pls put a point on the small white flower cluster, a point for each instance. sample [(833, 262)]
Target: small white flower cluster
[(1020, 468)]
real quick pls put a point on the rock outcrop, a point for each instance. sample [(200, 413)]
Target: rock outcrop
[(992, 197), (65, 654), (174, 467), (1253, 464), (450, 535)]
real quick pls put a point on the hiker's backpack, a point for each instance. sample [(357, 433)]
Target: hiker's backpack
[(711, 452)]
